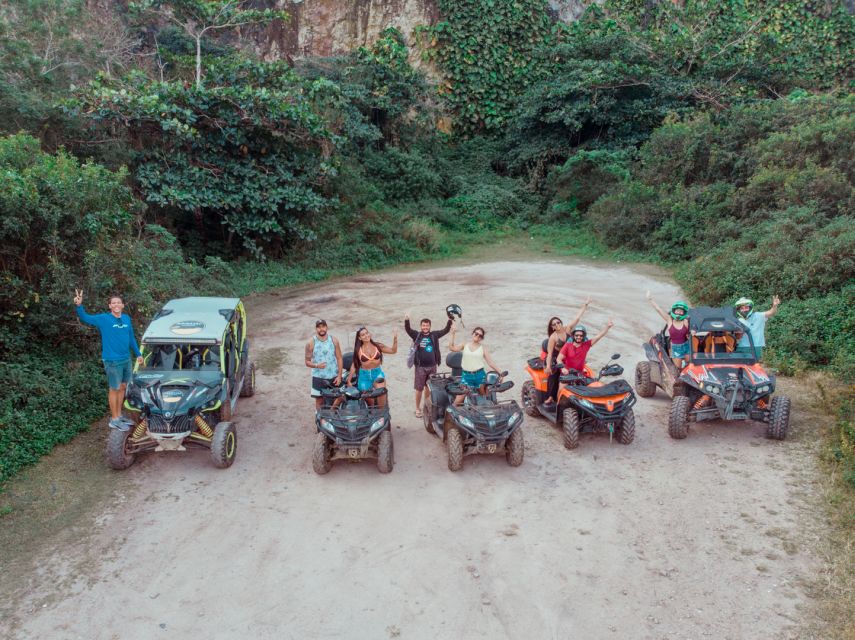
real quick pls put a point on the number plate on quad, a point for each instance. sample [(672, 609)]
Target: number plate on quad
[(353, 453), (491, 448)]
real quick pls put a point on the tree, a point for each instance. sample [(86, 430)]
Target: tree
[(198, 18)]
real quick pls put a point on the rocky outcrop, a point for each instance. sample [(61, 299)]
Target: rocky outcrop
[(333, 27)]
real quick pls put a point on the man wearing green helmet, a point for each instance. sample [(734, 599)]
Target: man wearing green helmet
[(677, 324), (755, 323)]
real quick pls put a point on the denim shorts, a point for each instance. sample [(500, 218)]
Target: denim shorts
[(367, 378), (680, 350), (474, 379), (118, 372)]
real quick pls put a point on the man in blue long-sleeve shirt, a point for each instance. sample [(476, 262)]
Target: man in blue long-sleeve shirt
[(117, 341)]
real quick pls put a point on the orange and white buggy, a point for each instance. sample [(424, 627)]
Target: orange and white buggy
[(719, 382)]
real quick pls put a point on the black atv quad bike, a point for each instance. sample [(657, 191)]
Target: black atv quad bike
[(351, 428), (482, 424)]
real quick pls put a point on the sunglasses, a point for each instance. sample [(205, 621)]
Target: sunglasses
[(557, 323), (479, 335)]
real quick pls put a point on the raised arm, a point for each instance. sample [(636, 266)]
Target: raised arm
[(451, 345), (599, 336), (775, 302), (410, 331), (393, 348), (579, 315), (658, 310), (439, 334)]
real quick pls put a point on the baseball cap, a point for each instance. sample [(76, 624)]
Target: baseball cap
[(320, 321)]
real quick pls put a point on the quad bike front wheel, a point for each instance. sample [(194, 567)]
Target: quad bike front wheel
[(321, 454), (385, 452), (779, 418), (118, 456), (626, 428), (678, 418), (529, 398), (248, 388), (224, 445), (454, 445), (571, 428), (644, 386), (515, 448)]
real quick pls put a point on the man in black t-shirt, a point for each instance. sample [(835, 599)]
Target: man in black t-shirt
[(427, 354)]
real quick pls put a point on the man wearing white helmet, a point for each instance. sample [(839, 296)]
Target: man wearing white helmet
[(755, 322)]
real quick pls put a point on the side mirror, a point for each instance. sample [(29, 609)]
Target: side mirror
[(615, 356)]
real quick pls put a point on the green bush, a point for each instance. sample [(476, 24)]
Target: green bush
[(49, 397)]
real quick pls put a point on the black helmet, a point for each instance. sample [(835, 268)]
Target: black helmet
[(454, 310)]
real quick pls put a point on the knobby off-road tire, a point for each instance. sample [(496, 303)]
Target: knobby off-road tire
[(427, 412), (454, 444), (118, 456), (528, 396), (626, 429), (678, 418), (779, 418), (385, 452), (224, 445), (248, 388), (515, 448), (643, 385), (321, 454), (571, 428)]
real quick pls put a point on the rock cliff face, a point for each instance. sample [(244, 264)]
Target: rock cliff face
[(332, 27)]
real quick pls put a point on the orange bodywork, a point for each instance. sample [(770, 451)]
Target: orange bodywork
[(699, 372)]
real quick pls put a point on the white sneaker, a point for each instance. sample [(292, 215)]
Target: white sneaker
[(117, 424)]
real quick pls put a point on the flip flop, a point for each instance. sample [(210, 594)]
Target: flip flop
[(418, 413)]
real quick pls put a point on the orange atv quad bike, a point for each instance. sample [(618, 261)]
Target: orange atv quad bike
[(719, 383), (585, 403)]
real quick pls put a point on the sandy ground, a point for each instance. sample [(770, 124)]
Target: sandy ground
[(659, 539)]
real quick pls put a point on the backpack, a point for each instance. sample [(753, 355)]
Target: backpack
[(411, 355)]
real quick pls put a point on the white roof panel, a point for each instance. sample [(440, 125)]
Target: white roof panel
[(191, 319)]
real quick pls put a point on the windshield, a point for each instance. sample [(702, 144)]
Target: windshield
[(178, 357)]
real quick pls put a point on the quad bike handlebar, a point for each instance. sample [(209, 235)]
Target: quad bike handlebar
[(352, 392)]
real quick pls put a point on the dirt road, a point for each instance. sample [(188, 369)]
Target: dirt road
[(659, 539)]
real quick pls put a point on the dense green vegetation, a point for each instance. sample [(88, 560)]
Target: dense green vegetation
[(157, 156)]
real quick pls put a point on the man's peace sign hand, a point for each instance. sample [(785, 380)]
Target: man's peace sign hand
[(78, 297)]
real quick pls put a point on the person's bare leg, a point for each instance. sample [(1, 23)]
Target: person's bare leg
[(418, 401), (319, 402), (115, 399)]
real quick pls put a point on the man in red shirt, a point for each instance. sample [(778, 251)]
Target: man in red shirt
[(573, 353)]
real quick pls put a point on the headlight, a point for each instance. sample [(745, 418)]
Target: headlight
[(586, 403), (763, 389), (326, 425), (712, 389), (378, 424), (145, 396), (466, 422), (514, 419)]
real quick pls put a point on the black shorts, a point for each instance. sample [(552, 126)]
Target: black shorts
[(320, 383)]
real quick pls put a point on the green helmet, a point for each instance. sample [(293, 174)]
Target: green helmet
[(579, 328), (679, 305), (744, 302)]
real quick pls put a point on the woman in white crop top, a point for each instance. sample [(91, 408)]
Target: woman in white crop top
[(474, 362)]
